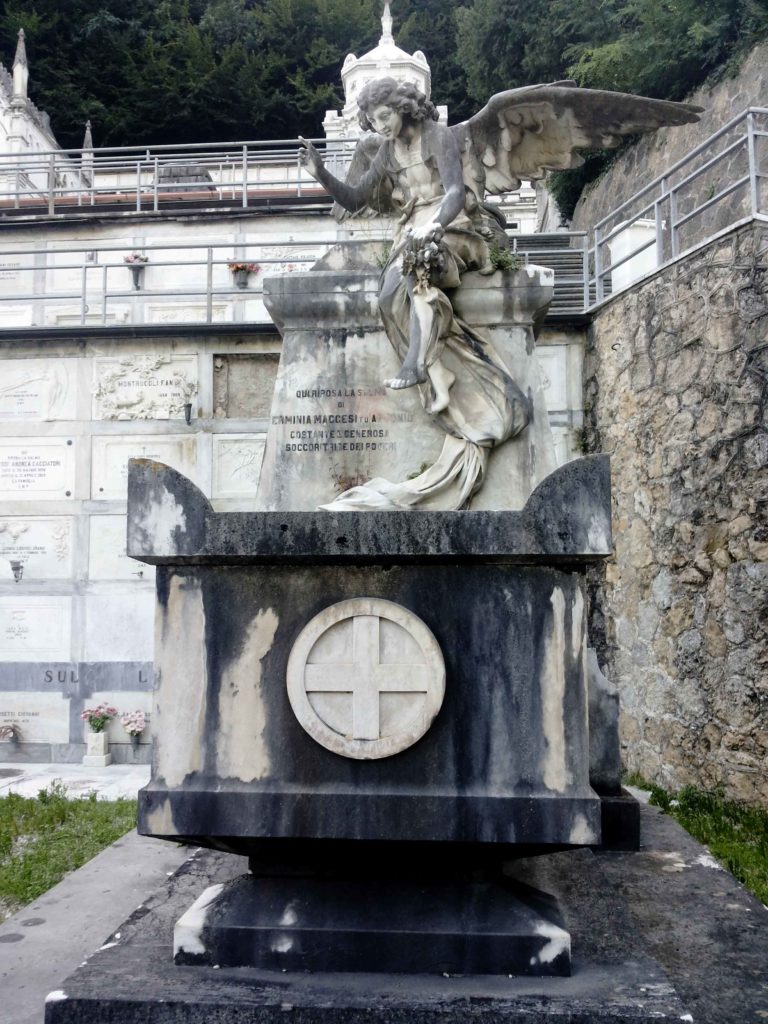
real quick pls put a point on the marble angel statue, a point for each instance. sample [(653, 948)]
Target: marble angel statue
[(435, 178)]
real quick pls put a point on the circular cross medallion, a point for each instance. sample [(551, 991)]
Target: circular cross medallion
[(366, 678)]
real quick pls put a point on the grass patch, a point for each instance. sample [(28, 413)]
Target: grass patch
[(736, 834), (44, 838)]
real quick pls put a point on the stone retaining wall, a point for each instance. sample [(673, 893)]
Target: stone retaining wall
[(654, 154), (675, 390)]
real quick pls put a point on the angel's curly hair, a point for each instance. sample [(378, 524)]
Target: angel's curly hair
[(403, 97)]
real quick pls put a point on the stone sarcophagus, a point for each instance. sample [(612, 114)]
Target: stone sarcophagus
[(387, 688)]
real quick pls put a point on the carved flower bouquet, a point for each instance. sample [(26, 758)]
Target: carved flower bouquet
[(98, 718)]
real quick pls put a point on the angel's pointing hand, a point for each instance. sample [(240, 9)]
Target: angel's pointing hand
[(310, 158)]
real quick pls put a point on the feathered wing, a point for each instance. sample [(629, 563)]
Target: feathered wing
[(366, 149), (523, 133)]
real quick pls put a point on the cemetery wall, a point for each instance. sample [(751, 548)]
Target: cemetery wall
[(676, 378), (76, 402)]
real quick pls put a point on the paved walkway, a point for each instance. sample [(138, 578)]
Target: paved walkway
[(110, 783), (42, 944)]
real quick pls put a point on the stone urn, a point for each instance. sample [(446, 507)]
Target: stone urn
[(241, 278), (97, 753)]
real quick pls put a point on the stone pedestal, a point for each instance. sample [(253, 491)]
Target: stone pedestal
[(97, 753), (335, 425)]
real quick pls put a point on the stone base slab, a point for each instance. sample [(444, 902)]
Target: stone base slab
[(375, 925), (97, 760)]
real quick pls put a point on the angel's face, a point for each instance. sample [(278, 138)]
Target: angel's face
[(386, 121)]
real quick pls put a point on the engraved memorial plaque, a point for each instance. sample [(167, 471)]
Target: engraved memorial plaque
[(36, 467), (43, 546), (41, 717), (38, 389), (237, 465), (145, 386), (109, 474), (35, 628)]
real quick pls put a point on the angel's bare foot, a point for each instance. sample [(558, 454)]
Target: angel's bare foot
[(442, 381), (407, 378)]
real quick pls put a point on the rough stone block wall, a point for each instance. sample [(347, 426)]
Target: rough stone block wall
[(676, 380)]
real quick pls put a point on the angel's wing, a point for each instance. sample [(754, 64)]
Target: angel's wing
[(525, 132), (366, 149)]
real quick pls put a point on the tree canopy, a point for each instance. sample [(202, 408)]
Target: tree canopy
[(176, 71)]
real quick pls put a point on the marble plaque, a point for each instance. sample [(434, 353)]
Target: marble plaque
[(237, 464), (143, 386), (35, 628), (187, 313), (120, 626), (41, 717), (124, 701), (38, 389), (110, 455), (107, 559), (44, 546), (36, 467), (243, 384), (554, 371)]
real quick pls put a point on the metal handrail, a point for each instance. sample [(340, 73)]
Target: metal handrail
[(660, 197)]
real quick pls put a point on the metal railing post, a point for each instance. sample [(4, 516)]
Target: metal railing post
[(599, 284), (659, 227), (154, 189), (209, 289), (585, 270), (83, 304), (104, 294), (754, 194), (51, 183), (245, 176), (138, 186), (673, 221)]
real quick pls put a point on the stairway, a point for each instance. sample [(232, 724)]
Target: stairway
[(563, 253)]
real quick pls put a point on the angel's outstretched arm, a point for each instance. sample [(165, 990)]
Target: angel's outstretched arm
[(351, 197)]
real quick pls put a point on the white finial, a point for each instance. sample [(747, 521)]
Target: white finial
[(20, 70), (386, 26)]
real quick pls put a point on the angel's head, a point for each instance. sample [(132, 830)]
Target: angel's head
[(385, 105)]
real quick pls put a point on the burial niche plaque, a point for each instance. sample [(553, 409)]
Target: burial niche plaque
[(366, 678)]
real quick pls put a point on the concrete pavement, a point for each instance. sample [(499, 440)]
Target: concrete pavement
[(43, 943)]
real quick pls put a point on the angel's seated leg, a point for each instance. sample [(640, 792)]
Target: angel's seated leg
[(421, 328)]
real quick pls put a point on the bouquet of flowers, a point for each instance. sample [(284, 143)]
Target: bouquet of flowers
[(98, 717), (134, 722), (249, 268), (135, 258)]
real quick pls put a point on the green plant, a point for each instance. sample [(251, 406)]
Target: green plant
[(505, 259), (382, 256), (44, 838), (735, 833)]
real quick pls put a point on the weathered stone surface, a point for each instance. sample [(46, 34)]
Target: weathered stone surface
[(505, 760), (335, 425), (684, 603), (565, 519)]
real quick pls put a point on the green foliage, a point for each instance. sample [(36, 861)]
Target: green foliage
[(736, 834), (42, 839), (504, 259)]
